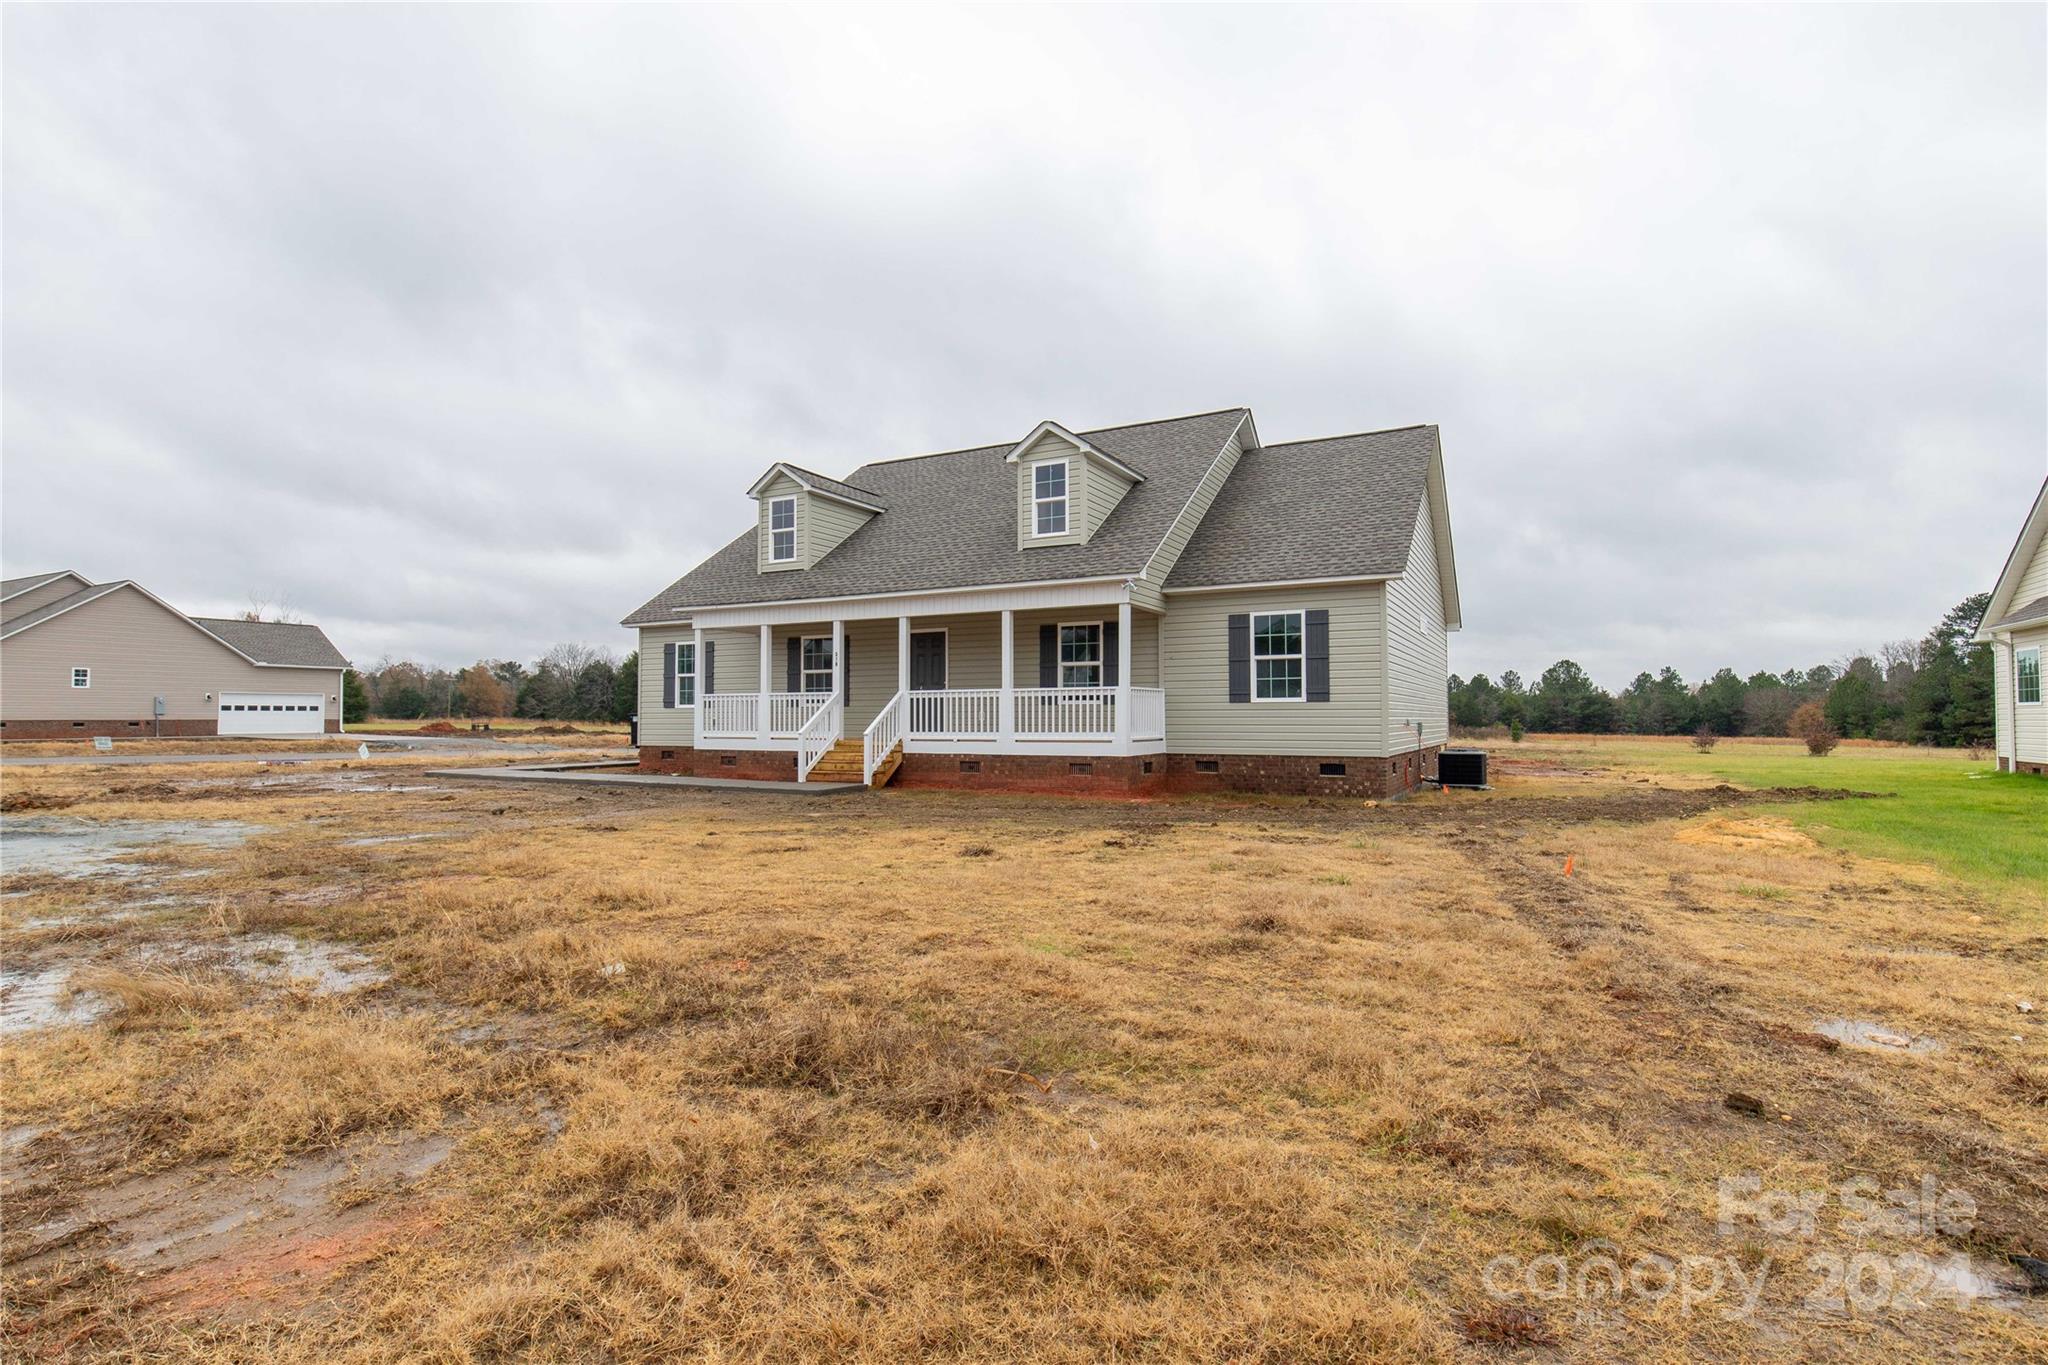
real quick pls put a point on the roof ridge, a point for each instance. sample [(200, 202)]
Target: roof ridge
[(1349, 435), (1090, 431)]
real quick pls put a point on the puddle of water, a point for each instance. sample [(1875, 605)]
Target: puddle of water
[(1874, 1037), (66, 847), (165, 1222), (39, 999), (370, 839), (330, 968)]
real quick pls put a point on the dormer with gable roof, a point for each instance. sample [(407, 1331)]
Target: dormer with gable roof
[(1066, 487), (805, 516)]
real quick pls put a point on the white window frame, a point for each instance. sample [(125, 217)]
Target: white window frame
[(774, 531), (1060, 663), (2017, 655), (804, 671), (1301, 633), (79, 671), (1065, 498), (686, 677)]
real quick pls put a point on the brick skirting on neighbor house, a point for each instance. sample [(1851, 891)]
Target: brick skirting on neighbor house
[(2013, 765), (127, 729), (1122, 775)]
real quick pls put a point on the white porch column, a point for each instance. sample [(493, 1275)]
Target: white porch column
[(839, 658), (1006, 714), (767, 677), (697, 688), (1123, 673), (903, 654)]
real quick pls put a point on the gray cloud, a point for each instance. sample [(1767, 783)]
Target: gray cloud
[(466, 329)]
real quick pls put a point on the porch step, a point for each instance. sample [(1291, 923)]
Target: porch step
[(841, 763)]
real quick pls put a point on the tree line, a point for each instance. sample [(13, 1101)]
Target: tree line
[(1935, 690), (569, 682)]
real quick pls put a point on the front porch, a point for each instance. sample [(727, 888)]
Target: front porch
[(875, 690)]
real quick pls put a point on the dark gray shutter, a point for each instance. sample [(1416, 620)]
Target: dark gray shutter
[(1316, 645), (708, 665), (846, 670), (1240, 627), (668, 675), (1048, 656), (1109, 654), (796, 664)]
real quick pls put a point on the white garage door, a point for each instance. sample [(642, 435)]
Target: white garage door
[(272, 713)]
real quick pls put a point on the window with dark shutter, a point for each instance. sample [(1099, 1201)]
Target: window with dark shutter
[(1240, 641), (1318, 634), (668, 676), (1048, 656)]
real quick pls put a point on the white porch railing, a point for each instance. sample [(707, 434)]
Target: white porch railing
[(729, 713), (1148, 713), (956, 713), (818, 735), (1066, 713), (883, 734), (790, 712), (739, 713)]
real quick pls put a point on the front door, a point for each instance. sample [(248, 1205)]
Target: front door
[(928, 661)]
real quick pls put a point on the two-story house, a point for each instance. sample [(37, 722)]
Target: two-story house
[(1164, 606)]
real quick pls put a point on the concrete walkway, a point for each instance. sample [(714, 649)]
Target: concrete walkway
[(620, 774)]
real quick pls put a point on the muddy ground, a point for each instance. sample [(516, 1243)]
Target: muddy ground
[(345, 1062)]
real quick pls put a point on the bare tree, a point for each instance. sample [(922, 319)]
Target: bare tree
[(263, 607)]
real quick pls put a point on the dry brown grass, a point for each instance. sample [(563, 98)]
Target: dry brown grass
[(932, 1077)]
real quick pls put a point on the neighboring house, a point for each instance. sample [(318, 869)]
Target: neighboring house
[(80, 659), (1164, 605), (2016, 627)]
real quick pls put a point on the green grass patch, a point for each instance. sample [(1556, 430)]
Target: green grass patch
[(1937, 806)]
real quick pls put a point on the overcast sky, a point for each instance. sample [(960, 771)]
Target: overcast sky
[(463, 331)]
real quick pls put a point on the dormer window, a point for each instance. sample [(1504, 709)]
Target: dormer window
[(1049, 498), (781, 530)]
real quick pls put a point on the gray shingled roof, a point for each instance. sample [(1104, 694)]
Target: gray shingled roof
[(952, 523), (2036, 610), (286, 643), (9, 587), (827, 485), (1341, 507), (62, 604)]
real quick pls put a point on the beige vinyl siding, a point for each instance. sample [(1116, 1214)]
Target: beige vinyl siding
[(1175, 542), (1418, 651), (23, 603), (2029, 719), (2001, 696), (1105, 489), (738, 659), (829, 523), (783, 487), (1201, 718), (1046, 450), (660, 724), (137, 651), (2034, 582)]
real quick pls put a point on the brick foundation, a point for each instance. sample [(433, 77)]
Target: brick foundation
[(114, 729), (1122, 775), (761, 765), (1291, 775), (129, 729), (2023, 766)]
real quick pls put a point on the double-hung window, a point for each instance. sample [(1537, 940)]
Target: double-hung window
[(81, 677), (2026, 674), (816, 658), (781, 530), (1049, 498), (1081, 655), (686, 673), (1277, 656)]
